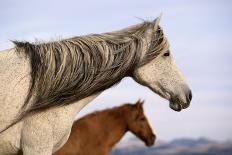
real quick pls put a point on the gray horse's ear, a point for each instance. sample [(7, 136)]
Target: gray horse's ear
[(157, 21), (153, 27)]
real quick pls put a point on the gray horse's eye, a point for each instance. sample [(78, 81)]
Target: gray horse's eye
[(167, 54)]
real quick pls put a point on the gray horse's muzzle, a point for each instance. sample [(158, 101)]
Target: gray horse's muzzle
[(177, 104)]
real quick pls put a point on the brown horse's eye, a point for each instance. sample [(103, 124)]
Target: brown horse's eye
[(142, 119), (166, 54)]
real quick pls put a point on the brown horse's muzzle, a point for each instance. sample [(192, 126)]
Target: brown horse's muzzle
[(151, 140)]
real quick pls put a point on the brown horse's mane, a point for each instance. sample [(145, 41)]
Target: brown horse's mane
[(72, 69), (115, 111)]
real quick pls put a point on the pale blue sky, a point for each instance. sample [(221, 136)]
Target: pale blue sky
[(200, 36)]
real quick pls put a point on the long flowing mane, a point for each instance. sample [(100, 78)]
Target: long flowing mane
[(69, 70)]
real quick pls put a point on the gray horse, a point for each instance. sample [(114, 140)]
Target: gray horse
[(44, 85)]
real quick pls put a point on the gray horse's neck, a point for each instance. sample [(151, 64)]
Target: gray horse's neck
[(14, 84)]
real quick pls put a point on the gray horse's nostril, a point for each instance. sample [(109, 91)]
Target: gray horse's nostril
[(189, 96)]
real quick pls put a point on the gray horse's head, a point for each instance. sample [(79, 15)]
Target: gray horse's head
[(162, 75)]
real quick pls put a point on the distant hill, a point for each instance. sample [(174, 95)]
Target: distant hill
[(184, 146)]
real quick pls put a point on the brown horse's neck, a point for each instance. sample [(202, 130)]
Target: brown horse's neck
[(109, 127), (115, 126)]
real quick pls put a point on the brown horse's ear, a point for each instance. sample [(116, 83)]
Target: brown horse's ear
[(141, 102), (138, 109)]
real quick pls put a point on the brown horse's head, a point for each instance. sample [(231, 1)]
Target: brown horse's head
[(138, 124)]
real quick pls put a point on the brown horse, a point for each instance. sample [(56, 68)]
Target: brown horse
[(98, 132)]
